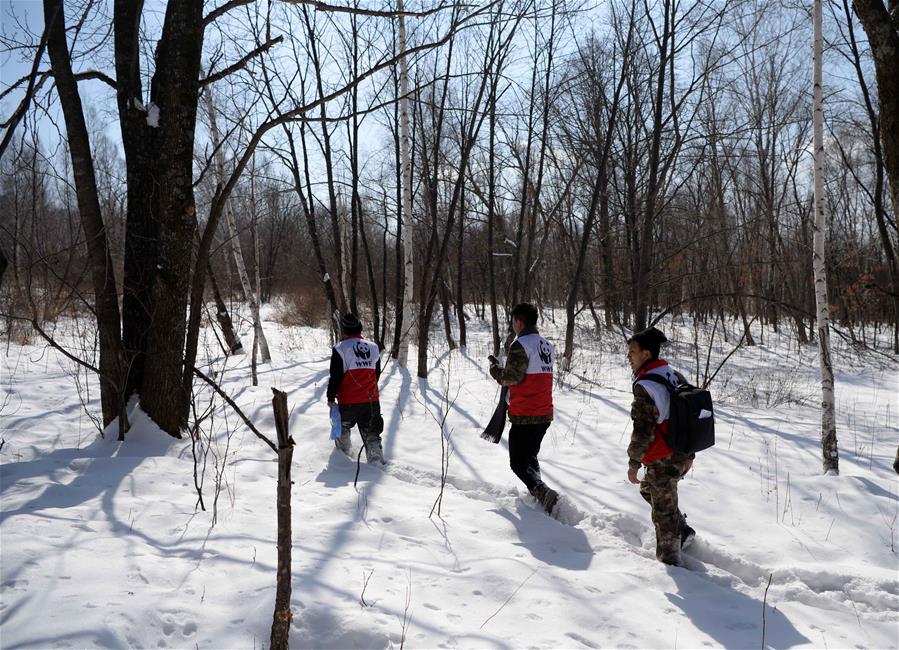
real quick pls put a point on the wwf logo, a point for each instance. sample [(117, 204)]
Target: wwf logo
[(545, 352), (361, 351)]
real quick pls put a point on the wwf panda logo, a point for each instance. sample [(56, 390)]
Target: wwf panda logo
[(545, 352), (361, 351)]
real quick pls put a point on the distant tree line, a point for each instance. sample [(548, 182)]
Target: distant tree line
[(626, 161)]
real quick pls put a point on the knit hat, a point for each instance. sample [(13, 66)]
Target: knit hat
[(649, 339), (349, 324)]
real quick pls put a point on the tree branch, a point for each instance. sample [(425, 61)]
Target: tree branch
[(240, 64), (96, 74), (33, 86), (52, 342), (324, 6), (236, 408), (225, 8), (41, 77)]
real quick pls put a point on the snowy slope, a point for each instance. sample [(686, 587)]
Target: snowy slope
[(102, 545)]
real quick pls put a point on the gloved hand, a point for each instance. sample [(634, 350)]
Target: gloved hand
[(493, 360)]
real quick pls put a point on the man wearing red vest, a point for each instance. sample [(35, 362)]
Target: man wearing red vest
[(529, 375), (664, 467), (355, 369)]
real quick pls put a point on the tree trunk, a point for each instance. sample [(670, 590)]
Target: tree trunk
[(112, 376), (882, 28), (407, 239), (828, 422), (251, 295), (223, 317), (3, 265), (372, 286), (883, 36), (142, 227), (447, 323), (491, 215), (308, 205), (355, 201), (460, 293), (159, 145), (260, 339)]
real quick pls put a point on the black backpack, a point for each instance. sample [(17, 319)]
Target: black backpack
[(691, 418)]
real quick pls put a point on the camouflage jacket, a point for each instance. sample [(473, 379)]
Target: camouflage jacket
[(644, 415), (513, 373)]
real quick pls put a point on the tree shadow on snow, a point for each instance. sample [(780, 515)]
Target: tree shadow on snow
[(89, 481), (732, 618)]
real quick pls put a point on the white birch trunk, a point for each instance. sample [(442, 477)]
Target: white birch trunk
[(233, 240), (405, 145), (264, 354), (828, 422), (347, 251)]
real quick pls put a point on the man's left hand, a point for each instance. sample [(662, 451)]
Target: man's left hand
[(632, 475)]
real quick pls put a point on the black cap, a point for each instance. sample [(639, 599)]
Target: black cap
[(349, 324), (649, 339)]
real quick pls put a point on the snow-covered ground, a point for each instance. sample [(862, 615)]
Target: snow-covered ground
[(103, 545)]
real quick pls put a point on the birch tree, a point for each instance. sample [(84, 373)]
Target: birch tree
[(828, 423), (249, 291), (408, 315)]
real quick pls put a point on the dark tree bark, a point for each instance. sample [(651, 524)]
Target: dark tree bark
[(460, 285), (491, 213), (102, 271), (223, 317), (883, 35), (445, 309), (3, 264), (372, 285), (882, 28), (175, 91)]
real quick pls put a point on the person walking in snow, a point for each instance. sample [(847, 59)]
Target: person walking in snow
[(355, 369), (664, 467), (528, 373)]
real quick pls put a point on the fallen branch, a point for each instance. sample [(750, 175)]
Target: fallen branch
[(236, 408)]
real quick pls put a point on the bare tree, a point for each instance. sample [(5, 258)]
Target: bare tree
[(404, 326), (828, 422), (249, 291)]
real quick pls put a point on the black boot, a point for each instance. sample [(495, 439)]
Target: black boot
[(546, 496), (686, 533)]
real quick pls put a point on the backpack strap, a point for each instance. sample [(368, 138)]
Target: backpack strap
[(658, 380)]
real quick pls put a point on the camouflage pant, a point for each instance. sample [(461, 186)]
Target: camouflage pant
[(659, 488)]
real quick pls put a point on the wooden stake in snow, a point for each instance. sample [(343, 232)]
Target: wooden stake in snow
[(828, 421), (283, 615)]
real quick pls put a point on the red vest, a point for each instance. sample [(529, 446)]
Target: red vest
[(658, 448), (360, 380), (534, 394)]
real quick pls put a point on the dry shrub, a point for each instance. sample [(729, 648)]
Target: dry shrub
[(302, 307)]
